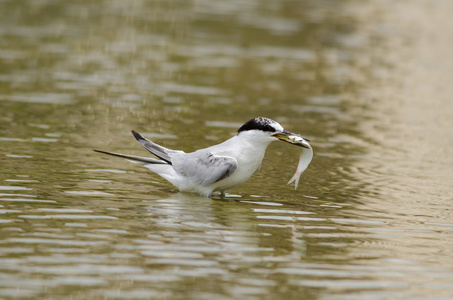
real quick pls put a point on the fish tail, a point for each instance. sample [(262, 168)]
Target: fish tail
[(294, 179)]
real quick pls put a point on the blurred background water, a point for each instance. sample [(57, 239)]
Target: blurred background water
[(369, 82)]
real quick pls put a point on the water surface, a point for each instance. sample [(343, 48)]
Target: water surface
[(369, 82)]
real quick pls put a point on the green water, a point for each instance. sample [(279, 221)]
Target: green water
[(369, 82)]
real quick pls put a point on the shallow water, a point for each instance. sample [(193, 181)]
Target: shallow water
[(369, 82)]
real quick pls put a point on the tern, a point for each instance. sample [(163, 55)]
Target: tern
[(219, 167)]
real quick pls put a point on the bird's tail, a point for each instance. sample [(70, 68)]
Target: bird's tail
[(135, 159)]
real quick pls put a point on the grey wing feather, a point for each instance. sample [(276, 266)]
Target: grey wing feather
[(204, 168), (159, 151)]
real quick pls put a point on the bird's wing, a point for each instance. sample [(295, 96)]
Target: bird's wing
[(159, 151), (203, 167)]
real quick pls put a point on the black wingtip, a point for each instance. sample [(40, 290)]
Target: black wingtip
[(100, 151), (137, 135)]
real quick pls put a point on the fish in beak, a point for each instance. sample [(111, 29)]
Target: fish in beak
[(292, 138)]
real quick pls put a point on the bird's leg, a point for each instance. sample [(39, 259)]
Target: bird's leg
[(222, 194)]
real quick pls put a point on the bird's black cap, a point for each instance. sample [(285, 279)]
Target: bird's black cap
[(259, 123)]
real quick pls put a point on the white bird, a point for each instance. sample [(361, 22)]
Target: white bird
[(219, 167)]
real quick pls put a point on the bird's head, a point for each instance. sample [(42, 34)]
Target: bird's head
[(267, 130)]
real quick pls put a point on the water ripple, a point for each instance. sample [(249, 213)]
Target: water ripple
[(282, 211), (40, 98), (13, 188), (107, 171), (44, 140), (66, 210), (350, 284), (26, 200), (70, 217), (18, 156), (38, 241), (89, 193), (289, 218), (78, 281), (263, 203)]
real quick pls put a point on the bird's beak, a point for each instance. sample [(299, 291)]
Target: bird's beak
[(292, 138)]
